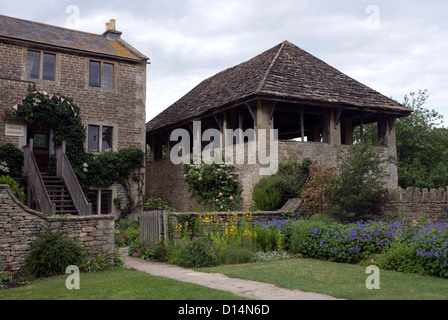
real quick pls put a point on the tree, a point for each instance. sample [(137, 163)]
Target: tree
[(422, 143), (358, 189)]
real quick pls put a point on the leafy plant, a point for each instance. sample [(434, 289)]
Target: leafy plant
[(127, 233), (51, 254), (154, 204), (358, 189), (195, 253), (16, 189), (321, 179), (108, 258), (207, 181), (272, 192), (11, 160)]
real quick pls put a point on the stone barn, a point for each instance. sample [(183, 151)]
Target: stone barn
[(311, 108)]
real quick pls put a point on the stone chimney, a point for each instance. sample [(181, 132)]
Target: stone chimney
[(111, 33)]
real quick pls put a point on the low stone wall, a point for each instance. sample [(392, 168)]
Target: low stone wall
[(20, 227), (416, 204), (413, 204)]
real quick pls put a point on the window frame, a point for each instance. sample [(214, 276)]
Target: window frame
[(101, 76), (41, 68), (98, 194), (100, 144)]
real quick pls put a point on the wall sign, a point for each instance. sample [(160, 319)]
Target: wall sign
[(14, 130)]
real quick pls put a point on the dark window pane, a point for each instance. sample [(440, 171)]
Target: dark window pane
[(106, 201), (108, 75), (92, 196), (107, 139), (33, 64), (94, 73), (93, 142), (49, 61), (40, 140)]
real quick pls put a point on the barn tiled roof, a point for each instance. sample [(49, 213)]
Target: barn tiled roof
[(24, 30), (285, 72)]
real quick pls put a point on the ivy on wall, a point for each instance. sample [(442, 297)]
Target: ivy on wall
[(63, 116)]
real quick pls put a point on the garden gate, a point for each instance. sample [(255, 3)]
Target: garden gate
[(153, 227)]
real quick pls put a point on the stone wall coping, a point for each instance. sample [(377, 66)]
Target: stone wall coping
[(5, 187)]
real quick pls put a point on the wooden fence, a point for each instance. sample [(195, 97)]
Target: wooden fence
[(153, 227)]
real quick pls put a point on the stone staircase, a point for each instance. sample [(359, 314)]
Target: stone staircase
[(59, 194)]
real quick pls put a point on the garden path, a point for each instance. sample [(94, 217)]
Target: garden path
[(245, 288)]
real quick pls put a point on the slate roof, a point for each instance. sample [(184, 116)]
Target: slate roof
[(284, 72), (24, 30)]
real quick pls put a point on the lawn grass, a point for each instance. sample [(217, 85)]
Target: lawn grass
[(338, 279), (115, 284)]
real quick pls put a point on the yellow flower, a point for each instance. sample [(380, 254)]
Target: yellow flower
[(231, 198)]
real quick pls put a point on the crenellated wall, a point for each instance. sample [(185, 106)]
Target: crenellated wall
[(416, 204)]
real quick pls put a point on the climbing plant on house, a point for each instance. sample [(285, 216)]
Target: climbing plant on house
[(63, 116)]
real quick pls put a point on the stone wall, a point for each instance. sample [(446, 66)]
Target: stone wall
[(165, 180), (413, 204), (21, 226), (416, 204)]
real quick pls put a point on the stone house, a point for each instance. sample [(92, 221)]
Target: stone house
[(310, 106), (105, 76)]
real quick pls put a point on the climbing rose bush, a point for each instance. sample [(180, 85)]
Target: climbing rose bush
[(320, 179)]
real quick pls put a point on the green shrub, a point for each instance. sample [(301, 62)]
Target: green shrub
[(302, 232), (236, 255), (11, 159), (354, 242), (155, 204), (360, 185), (272, 192), (15, 187), (267, 194), (214, 185), (127, 233), (401, 257), (269, 238), (431, 244), (51, 254), (195, 253)]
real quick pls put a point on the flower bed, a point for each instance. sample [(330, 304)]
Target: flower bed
[(395, 245)]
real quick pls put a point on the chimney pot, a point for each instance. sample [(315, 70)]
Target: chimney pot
[(111, 32)]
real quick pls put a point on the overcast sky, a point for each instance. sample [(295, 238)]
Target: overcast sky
[(395, 47)]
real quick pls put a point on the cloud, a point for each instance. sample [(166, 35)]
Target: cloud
[(190, 40)]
